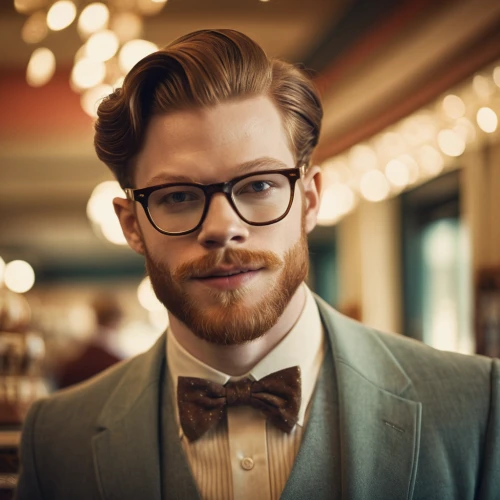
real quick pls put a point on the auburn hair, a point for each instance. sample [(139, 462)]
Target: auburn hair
[(202, 69)]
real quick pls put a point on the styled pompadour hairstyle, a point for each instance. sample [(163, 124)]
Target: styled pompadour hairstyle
[(202, 69)]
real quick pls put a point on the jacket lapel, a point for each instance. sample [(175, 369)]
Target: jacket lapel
[(379, 415), (126, 447)]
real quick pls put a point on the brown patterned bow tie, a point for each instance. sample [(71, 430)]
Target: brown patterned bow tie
[(203, 403)]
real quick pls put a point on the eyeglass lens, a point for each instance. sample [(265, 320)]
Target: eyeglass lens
[(258, 198)]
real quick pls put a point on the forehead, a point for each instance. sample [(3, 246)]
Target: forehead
[(209, 144)]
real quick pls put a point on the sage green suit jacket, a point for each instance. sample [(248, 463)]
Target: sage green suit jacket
[(413, 423)]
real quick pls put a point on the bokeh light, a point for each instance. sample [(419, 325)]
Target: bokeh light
[(60, 15), (362, 158), (398, 173), (94, 17), (91, 98), (450, 143), (336, 201), (102, 46), (34, 29), (101, 212), (41, 67), (19, 276), (87, 73), (147, 297), (453, 106), (374, 186), (487, 120), (2, 270), (127, 26), (132, 52)]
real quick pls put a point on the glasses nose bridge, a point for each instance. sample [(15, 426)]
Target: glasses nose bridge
[(225, 188)]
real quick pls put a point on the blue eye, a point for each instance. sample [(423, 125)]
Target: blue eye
[(259, 186), (178, 197)]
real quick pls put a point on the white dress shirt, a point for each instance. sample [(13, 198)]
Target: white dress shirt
[(244, 457)]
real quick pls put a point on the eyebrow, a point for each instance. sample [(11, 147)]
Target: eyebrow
[(265, 162)]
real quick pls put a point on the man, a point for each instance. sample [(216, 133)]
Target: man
[(258, 389), (100, 351)]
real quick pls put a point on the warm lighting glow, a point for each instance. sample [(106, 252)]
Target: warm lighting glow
[(336, 201), (150, 7), (453, 106), (487, 120), (119, 83), (412, 166), (465, 129), (102, 46), (450, 143), (496, 76), (430, 160), (61, 15), (27, 6), (87, 73), (374, 186), (112, 231), (41, 67), (147, 297), (336, 170), (91, 98), (94, 17), (127, 26), (398, 173), (19, 276), (101, 212), (159, 320), (132, 52), (35, 28), (418, 129), (362, 158), (482, 86), (100, 204), (2, 270), (390, 145)]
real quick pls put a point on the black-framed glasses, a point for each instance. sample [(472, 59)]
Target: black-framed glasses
[(259, 199)]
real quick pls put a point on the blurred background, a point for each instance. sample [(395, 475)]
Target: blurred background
[(409, 234), (409, 237)]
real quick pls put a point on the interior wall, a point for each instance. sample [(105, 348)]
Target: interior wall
[(370, 264)]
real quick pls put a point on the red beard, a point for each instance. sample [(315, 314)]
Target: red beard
[(230, 321)]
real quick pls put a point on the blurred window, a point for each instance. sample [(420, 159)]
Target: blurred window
[(437, 267), (323, 275)]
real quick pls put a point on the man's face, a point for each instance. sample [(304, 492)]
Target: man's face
[(211, 145)]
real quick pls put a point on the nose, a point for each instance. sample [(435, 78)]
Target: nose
[(222, 225)]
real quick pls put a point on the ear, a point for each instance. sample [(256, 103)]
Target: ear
[(128, 220), (312, 182)]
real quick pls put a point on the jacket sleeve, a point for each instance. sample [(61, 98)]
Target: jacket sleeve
[(28, 486), (489, 481)]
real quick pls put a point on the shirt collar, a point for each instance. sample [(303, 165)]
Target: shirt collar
[(303, 346)]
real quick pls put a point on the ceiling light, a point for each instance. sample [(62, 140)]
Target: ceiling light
[(132, 52), (450, 143), (94, 17), (487, 120), (102, 46), (374, 186), (61, 15), (41, 67), (19, 276), (453, 106), (87, 73)]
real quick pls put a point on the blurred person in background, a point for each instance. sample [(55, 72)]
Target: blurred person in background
[(258, 389), (101, 351)]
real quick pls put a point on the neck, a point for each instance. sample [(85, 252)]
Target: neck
[(237, 360)]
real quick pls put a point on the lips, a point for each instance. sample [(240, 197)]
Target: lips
[(224, 273)]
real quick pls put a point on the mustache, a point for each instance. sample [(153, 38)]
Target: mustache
[(229, 256)]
